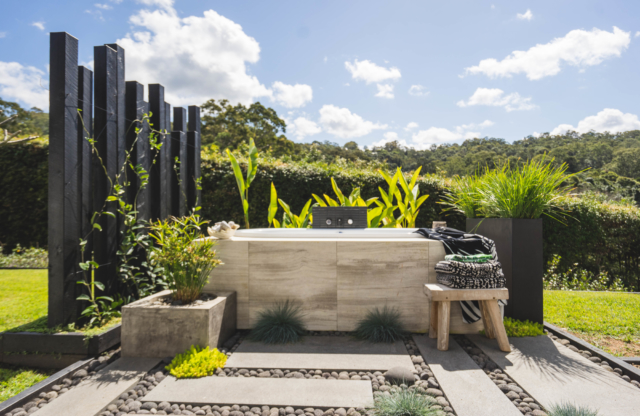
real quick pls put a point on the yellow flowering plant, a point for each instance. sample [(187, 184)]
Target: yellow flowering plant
[(197, 362)]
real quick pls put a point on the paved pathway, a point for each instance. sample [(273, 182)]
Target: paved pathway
[(552, 373), (467, 387), (258, 391), (322, 353), (92, 395)]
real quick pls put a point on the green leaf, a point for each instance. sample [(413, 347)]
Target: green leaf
[(319, 200), (253, 162), (237, 173), (337, 191), (97, 226), (83, 297), (99, 285), (273, 204)]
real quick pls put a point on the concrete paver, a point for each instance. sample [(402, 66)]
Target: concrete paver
[(322, 353), (469, 391), (269, 392), (552, 373), (95, 393)]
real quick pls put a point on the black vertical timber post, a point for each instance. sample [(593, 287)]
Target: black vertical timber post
[(167, 167), (138, 145), (194, 195), (64, 177), (120, 106), (106, 136), (158, 119), (180, 139), (85, 154)]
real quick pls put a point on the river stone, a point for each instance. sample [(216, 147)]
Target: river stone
[(399, 375), (80, 373)]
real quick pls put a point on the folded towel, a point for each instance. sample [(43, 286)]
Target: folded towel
[(460, 282), (474, 258), (482, 270)]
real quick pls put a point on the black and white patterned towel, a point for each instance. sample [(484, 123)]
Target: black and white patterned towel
[(464, 282), (490, 269), (464, 244)]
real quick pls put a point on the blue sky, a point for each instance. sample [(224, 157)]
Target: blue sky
[(421, 72)]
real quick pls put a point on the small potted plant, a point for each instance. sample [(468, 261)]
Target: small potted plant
[(171, 321)]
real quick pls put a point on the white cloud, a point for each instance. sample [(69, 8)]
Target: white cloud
[(388, 138), (302, 127), (637, 34), (385, 91), (213, 67), (23, 84), (525, 16), (39, 25), (344, 124), (412, 125), (579, 48), (292, 96), (609, 119), (418, 91), (370, 73), (163, 4), (103, 6), (3, 34), (438, 135), (496, 97)]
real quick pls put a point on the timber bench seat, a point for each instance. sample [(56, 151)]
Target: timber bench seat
[(441, 297)]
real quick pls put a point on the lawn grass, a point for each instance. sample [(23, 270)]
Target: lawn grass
[(608, 320), (14, 380), (23, 296)]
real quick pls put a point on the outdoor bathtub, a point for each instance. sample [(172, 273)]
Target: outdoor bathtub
[(336, 275)]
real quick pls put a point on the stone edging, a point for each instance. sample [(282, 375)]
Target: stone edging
[(627, 369)]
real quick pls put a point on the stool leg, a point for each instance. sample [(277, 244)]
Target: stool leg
[(498, 325), (433, 320), (444, 309), (486, 320)]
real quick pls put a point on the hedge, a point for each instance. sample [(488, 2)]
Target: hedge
[(598, 236)]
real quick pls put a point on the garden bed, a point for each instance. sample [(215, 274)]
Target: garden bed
[(55, 351)]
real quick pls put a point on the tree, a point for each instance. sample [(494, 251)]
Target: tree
[(230, 126), (22, 122)]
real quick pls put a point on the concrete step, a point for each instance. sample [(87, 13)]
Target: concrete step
[(469, 391), (552, 373), (322, 353), (92, 395), (258, 392)]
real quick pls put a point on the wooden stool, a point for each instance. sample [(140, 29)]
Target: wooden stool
[(441, 297)]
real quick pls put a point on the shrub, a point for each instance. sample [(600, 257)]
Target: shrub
[(576, 278), (405, 403), (196, 362), (516, 328), (29, 258), (187, 263), (381, 325), (280, 324), (568, 409)]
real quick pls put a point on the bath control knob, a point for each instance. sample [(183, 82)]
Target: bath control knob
[(350, 221), (328, 221)]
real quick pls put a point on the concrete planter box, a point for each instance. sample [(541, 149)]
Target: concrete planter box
[(163, 331), (54, 350), (519, 247)]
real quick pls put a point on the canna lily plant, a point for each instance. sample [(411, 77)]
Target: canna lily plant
[(409, 205), (353, 200), (289, 219), (243, 184)]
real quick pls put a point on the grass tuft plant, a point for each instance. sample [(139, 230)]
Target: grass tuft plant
[(569, 409), (197, 362), (529, 190), (280, 324), (381, 325), (405, 403)]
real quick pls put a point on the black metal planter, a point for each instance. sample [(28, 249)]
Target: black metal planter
[(54, 350), (519, 247)]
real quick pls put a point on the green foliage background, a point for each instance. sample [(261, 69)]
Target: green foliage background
[(600, 235)]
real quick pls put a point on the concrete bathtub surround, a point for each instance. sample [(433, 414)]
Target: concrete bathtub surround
[(337, 275), (150, 329)]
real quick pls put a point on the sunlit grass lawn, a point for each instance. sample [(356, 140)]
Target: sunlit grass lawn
[(23, 296), (15, 380), (608, 320)]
